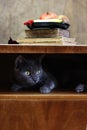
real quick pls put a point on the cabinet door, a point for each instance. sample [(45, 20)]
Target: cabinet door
[(43, 115)]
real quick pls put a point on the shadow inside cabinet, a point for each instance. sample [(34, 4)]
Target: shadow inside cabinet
[(70, 70)]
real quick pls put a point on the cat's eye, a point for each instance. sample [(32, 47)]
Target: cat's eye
[(38, 72), (27, 73)]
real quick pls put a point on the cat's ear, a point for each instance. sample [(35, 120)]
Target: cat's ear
[(19, 61)]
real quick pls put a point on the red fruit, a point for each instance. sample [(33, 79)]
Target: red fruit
[(49, 15)]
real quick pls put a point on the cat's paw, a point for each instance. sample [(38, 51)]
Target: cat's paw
[(45, 90), (80, 88)]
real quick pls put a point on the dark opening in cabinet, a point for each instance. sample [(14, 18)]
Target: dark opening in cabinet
[(69, 70)]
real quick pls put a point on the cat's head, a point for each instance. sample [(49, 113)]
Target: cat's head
[(28, 71)]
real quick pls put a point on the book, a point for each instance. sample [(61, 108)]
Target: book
[(47, 33), (49, 41)]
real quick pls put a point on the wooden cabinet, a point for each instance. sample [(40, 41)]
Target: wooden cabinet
[(35, 111), (43, 112)]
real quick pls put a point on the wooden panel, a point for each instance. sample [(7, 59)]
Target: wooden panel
[(43, 114), (59, 96), (38, 48)]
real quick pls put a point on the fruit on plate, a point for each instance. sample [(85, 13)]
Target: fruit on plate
[(49, 15), (64, 18), (46, 24)]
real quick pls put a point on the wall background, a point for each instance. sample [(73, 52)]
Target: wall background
[(14, 13)]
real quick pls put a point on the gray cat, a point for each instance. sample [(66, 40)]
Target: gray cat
[(29, 74)]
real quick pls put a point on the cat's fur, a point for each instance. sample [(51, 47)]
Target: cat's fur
[(29, 74)]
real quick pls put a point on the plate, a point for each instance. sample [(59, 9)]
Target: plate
[(47, 25)]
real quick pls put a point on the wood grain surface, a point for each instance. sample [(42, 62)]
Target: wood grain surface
[(42, 114), (41, 48)]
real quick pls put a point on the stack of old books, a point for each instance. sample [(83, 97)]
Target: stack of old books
[(48, 36)]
